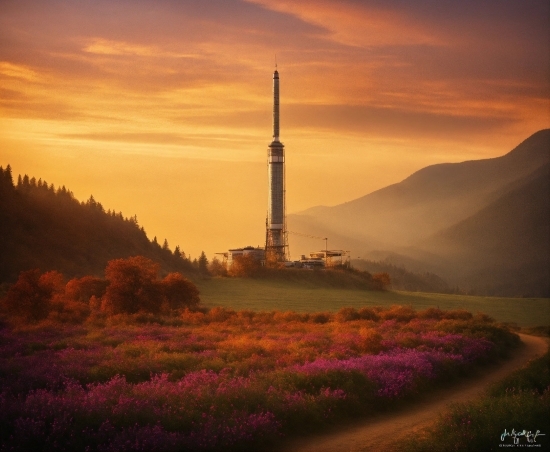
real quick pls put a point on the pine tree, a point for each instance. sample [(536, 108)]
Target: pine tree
[(203, 263), (7, 176)]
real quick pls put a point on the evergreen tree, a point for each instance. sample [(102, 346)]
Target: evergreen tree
[(203, 263), (7, 176)]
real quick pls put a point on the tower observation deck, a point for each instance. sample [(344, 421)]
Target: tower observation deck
[(276, 241)]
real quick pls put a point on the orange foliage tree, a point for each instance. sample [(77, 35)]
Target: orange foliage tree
[(245, 265), (217, 268), (131, 285), (31, 296), (381, 280), (134, 286), (178, 292), (82, 289)]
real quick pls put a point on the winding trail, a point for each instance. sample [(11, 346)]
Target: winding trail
[(381, 431)]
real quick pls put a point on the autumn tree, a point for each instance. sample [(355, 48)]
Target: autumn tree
[(134, 286), (244, 265), (31, 296), (217, 268), (178, 292), (381, 280), (131, 286), (82, 289)]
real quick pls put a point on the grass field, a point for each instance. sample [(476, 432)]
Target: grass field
[(269, 295)]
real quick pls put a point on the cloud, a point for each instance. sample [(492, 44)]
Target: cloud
[(17, 71), (102, 46), (354, 24), (398, 123)]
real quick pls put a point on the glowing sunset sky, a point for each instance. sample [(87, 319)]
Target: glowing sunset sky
[(163, 108)]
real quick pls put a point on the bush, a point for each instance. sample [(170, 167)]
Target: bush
[(347, 315), (399, 313)]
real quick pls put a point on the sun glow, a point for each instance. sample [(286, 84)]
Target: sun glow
[(368, 95)]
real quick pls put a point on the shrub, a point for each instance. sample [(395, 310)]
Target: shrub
[(368, 314), (399, 313), (431, 313), (347, 315), (320, 317)]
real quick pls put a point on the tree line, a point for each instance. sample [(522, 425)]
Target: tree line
[(130, 286), (45, 227)]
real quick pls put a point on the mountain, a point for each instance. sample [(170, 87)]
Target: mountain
[(45, 228), (505, 247), (451, 219)]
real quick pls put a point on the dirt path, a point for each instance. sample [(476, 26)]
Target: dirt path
[(379, 432)]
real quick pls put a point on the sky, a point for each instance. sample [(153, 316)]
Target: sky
[(162, 109)]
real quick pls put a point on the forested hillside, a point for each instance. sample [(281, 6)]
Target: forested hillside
[(402, 279), (47, 228)]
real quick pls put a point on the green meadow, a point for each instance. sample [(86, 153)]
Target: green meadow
[(269, 295)]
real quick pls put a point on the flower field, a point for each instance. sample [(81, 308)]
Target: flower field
[(222, 379)]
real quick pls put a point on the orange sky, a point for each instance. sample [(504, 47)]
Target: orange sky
[(163, 108)]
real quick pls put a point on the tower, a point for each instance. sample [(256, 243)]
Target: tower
[(276, 240)]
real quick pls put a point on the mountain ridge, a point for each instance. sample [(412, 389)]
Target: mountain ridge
[(401, 219)]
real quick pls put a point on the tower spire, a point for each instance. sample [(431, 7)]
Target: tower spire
[(276, 104)]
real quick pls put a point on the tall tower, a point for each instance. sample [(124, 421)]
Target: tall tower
[(276, 241)]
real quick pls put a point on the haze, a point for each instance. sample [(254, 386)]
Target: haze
[(163, 109)]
